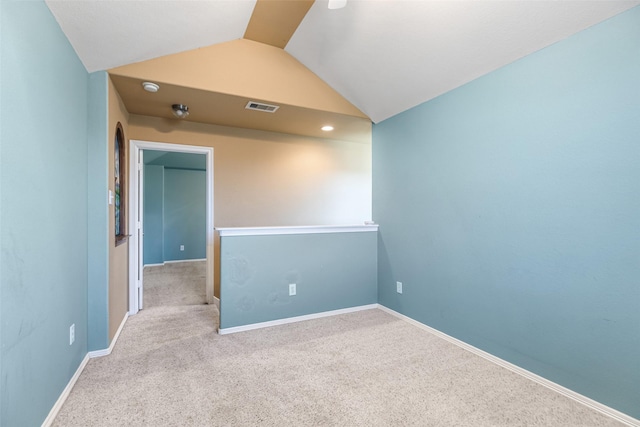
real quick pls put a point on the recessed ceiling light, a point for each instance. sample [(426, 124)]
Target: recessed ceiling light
[(150, 87), (327, 128)]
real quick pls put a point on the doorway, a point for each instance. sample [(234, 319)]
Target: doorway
[(136, 218)]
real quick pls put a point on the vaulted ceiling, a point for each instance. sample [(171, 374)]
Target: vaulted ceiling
[(382, 56)]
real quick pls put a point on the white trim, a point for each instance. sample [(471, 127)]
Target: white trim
[(65, 393), (90, 355), (309, 229), (216, 302), (134, 146), (278, 322), (597, 406), (107, 351), (99, 353), (177, 261)]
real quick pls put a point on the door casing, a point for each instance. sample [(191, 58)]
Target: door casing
[(135, 215)]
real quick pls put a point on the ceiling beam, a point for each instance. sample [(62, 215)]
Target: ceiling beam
[(273, 22)]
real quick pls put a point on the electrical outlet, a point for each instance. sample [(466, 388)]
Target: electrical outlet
[(399, 287), (182, 247), (72, 333), (292, 289)]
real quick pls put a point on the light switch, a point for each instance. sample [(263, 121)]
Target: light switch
[(110, 197)]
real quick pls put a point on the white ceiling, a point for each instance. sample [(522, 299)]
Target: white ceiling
[(388, 56), (384, 56), (109, 33)]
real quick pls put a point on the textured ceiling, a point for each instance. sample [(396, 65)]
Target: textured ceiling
[(384, 56)]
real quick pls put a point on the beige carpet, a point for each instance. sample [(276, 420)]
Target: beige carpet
[(180, 283), (170, 368)]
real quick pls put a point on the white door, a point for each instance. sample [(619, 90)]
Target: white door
[(138, 231)]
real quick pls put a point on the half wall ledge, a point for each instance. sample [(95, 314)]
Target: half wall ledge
[(306, 229), (276, 275)]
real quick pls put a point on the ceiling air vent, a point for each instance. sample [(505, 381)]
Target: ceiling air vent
[(257, 106)]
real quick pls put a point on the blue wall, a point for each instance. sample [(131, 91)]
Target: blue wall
[(153, 220), (174, 213), (98, 213), (43, 212), (331, 271), (184, 214), (176, 159), (510, 210)]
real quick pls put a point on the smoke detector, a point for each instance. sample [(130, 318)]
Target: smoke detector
[(150, 87)]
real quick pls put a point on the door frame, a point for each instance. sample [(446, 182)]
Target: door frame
[(136, 211)]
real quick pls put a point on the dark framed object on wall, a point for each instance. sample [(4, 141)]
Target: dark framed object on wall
[(120, 186)]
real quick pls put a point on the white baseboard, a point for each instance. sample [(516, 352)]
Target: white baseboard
[(216, 302), (260, 325), (185, 260), (175, 262), (597, 406), (107, 351), (65, 393), (90, 355)]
